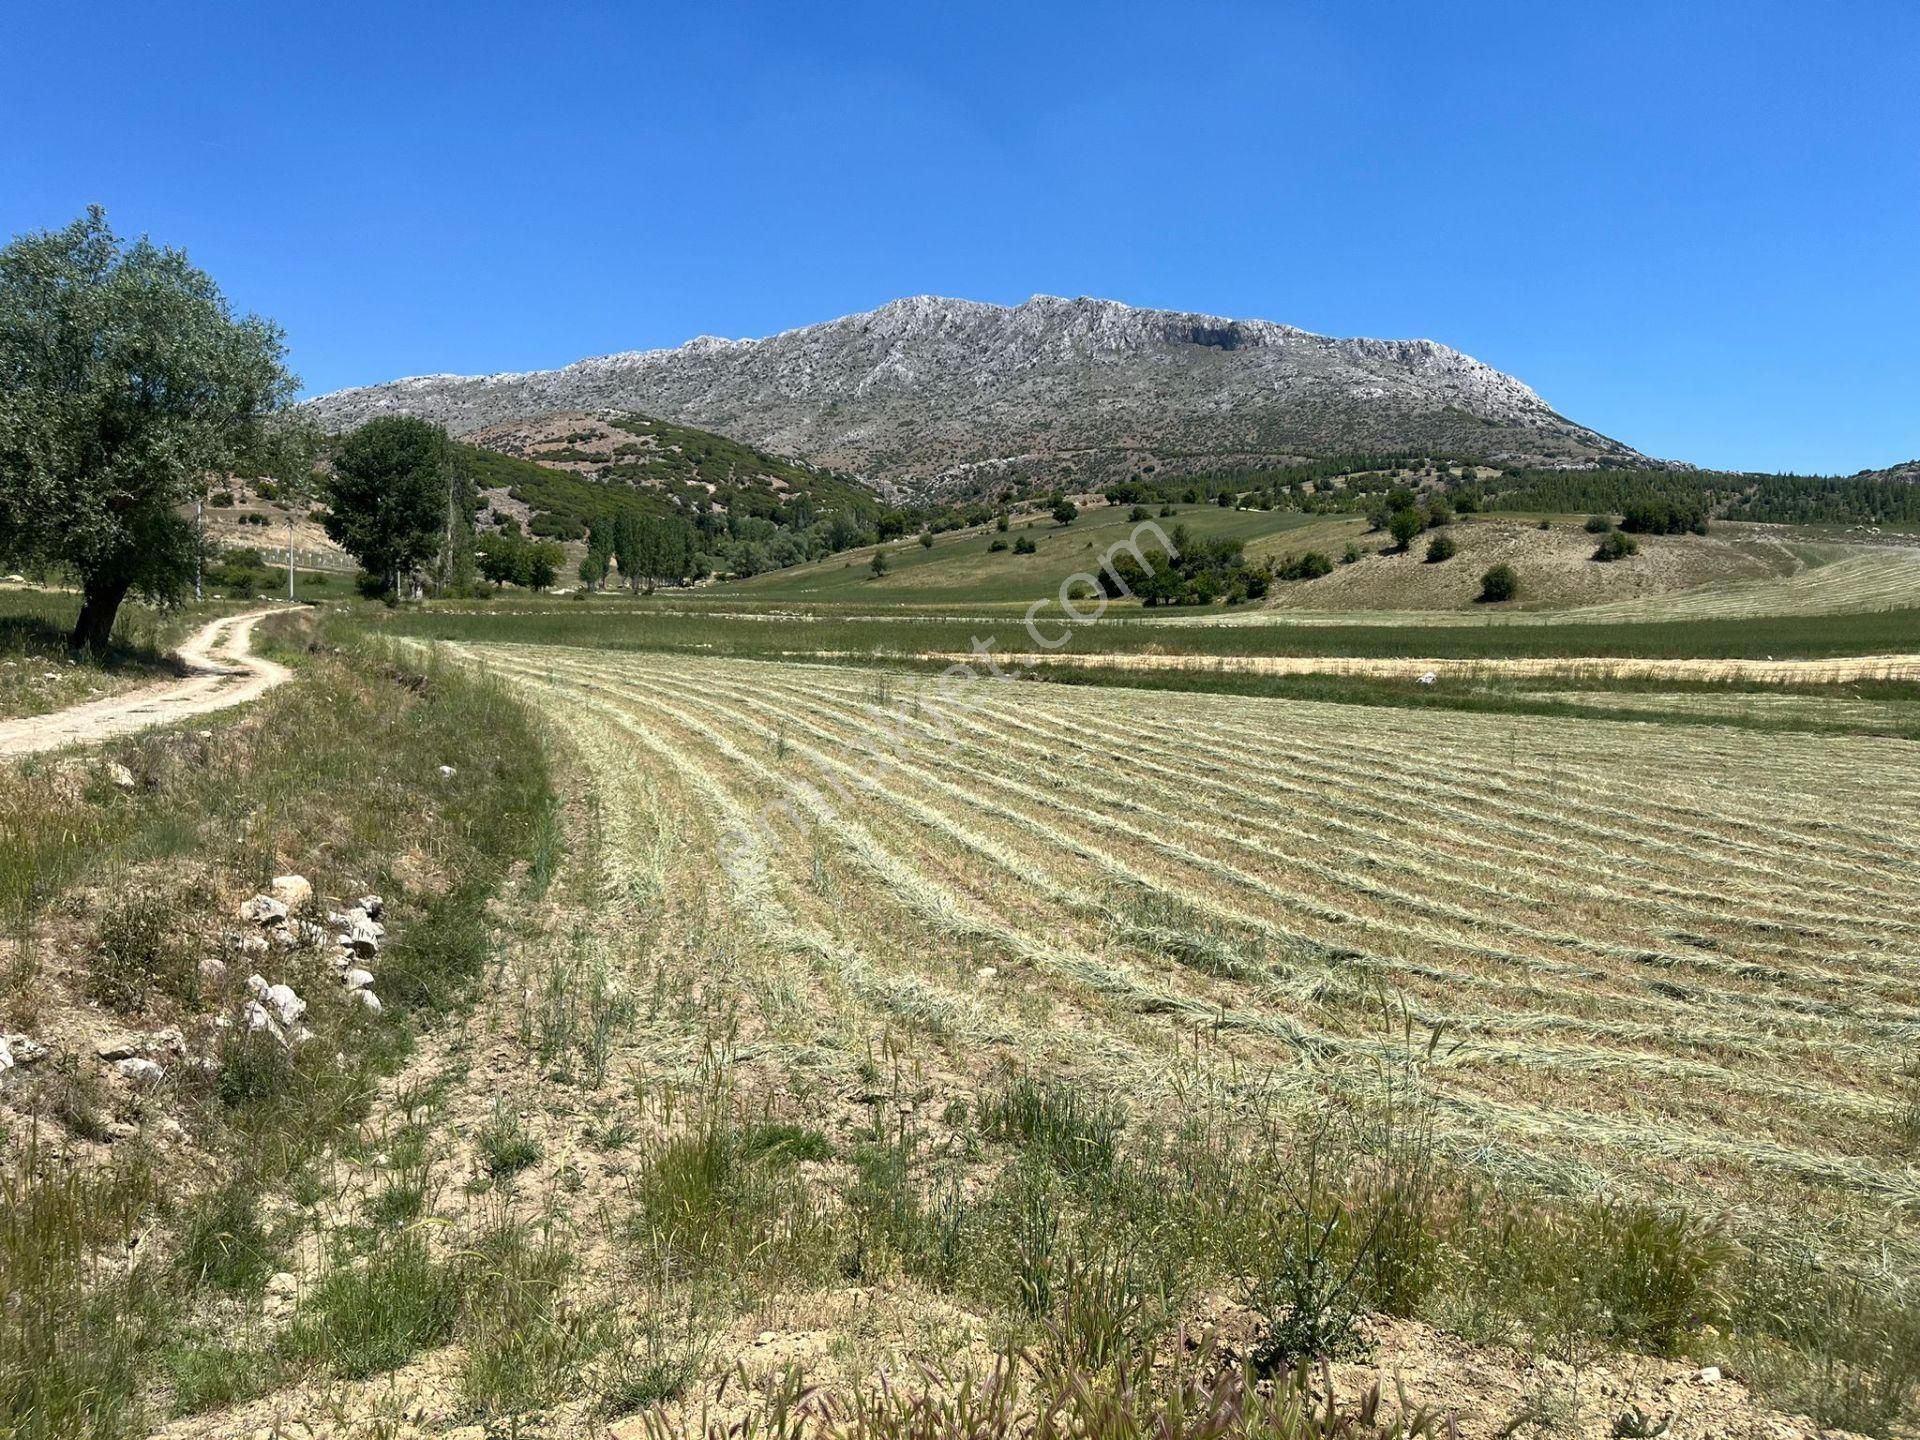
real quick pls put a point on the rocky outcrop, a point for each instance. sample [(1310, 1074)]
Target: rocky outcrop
[(935, 393)]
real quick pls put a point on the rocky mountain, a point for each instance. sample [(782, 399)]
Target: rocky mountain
[(933, 394)]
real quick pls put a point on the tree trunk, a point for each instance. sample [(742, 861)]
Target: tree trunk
[(94, 629)]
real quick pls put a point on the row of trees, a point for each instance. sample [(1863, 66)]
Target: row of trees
[(648, 549)]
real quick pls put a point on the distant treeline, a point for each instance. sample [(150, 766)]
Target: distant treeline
[(1651, 501)]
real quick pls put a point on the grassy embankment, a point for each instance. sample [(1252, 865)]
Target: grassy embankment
[(137, 1224)]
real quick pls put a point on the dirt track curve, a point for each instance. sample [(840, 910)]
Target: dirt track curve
[(225, 672)]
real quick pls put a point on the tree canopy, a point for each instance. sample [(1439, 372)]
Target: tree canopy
[(387, 502), (125, 382)]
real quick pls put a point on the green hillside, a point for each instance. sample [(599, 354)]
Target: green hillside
[(961, 567), (573, 466)]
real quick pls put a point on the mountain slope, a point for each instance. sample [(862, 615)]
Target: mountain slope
[(567, 467), (931, 393)]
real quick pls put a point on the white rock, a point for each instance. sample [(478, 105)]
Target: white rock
[(254, 1016), (446, 772), (287, 1005), (6, 1055), (139, 1069), (360, 937), (370, 1000), (253, 944), (372, 904), (357, 979), (213, 969), (292, 891), (1430, 678), (23, 1048), (118, 774), (263, 910), (257, 986), (1710, 1375)]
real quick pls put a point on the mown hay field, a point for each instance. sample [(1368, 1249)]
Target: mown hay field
[(1677, 963)]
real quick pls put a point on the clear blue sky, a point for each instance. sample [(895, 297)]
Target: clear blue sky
[(1695, 226)]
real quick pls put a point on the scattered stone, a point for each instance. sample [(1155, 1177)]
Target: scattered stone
[(370, 1000), (120, 1048), (118, 774), (292, 891), (6, 1055), (284, 1285), (1710, 1375), (23, 1049), (257, 986), (357, 979), (372, 904), (1430, 678), (263, 910), (139, 1069), (213, 969), (289, 1006), (361, 938), (253, 944), (446, 772), (254, 1016)]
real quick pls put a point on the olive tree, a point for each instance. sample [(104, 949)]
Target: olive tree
[(125, 383)]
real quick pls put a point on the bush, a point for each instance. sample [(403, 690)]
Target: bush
[(996, 545), (1310, 566), (1139, 513), (1499, 584), (877, 566), (1599, 524), (1441, 549), (1065, 513), (926, 539), (1616, 546), (1024, 545), (136, 956), (1352, 554), (1404, 525)]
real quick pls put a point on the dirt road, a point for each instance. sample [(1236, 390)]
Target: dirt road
[(225, 672), (1839, 669)]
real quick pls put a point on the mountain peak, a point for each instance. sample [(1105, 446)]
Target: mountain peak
[(929, 391)]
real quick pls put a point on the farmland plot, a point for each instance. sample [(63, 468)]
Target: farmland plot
[(1642, 960)]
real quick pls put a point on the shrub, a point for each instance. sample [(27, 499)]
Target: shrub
[(136, 955), (1023, 545), (1310, 566), (926, 539), (1139, 513), (1351, 555), (1001, 522), (1065, 513), (1616, 546), (877, 566), (1441, 549), (996, 545), (1403, 525), (1599, 524), (1499, 584)]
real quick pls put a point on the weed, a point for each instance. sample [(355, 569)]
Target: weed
[(223, 1245), (364, 1319), (1058, 1122), (504, 1146)]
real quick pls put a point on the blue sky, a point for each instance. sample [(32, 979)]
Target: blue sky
[(1694, 226)]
